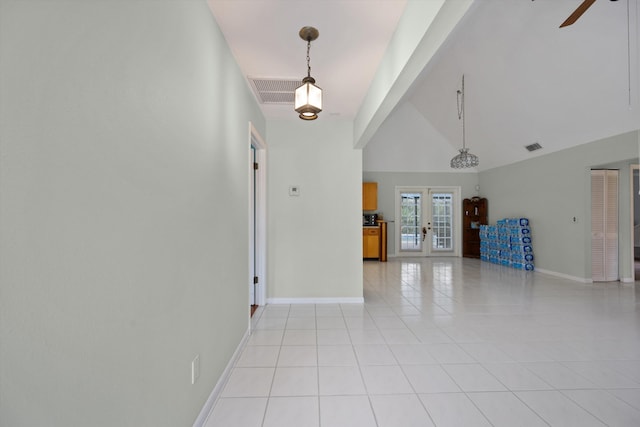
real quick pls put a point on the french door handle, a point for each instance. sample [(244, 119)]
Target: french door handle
[(424, 233)]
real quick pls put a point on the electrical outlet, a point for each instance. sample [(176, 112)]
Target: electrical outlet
[(195, 369)]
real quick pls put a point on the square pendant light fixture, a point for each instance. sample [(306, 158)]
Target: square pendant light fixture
[(308, 96)]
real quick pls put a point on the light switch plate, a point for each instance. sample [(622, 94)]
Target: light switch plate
[(294, 190), (195, 369)]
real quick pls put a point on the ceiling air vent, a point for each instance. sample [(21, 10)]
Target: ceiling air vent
[(274, 91), (533, 147)]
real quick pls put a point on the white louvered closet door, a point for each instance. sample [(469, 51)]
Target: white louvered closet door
[(604, 225)]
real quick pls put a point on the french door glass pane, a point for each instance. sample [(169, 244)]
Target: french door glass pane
[(442, 221), (411, 225)]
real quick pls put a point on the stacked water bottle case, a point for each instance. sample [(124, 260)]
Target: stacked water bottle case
[(507, 243)]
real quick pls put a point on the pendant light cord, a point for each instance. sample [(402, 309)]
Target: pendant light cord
[(461, 111), (464, 159), (629, 50)]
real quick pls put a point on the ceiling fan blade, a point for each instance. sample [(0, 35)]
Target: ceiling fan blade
[(586, 4)]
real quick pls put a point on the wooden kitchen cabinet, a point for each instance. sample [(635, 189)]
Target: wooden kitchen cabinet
[(371, 242), (369, 196)]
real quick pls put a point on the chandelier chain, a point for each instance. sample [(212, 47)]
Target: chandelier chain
[(464, 159), (308, 58), (308, 97)]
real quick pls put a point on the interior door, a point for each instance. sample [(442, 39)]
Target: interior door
[(635, 221), (604, 225), (252, 229), (257, 202), (427, 224)]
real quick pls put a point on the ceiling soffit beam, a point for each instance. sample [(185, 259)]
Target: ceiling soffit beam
[(422, 30)]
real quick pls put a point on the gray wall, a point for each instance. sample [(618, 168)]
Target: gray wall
[(123, 211), (388, 181), (553, 189), (315, 250)]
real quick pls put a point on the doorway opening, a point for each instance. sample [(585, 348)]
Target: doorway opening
[(428, 221), (257, 279), (604, 225), (635, 220)]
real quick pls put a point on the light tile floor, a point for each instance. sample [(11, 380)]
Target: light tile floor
[(443, 342)]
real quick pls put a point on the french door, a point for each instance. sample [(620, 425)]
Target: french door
[(428, 221)]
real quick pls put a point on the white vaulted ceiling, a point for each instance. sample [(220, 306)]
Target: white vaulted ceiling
[(526, 80)]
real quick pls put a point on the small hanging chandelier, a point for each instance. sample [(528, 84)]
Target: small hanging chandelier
[(308, 96), (464, 159)]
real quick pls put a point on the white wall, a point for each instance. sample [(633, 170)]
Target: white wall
[(550, 190), (123, 211), (406, 142), (314, 239)]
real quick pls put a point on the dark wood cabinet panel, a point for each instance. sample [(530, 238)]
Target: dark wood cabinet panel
[(474, 213)]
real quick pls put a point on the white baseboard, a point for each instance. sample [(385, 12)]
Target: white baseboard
[(578, 279), (564, 276), (329, 300), (215, 393)]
